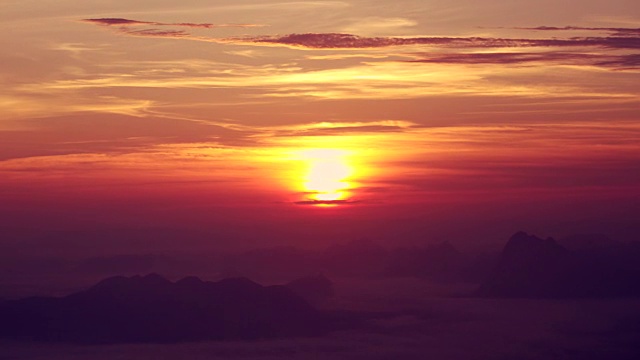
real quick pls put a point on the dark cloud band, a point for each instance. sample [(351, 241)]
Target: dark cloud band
[(628, 61), (128, 22), (348, 41)]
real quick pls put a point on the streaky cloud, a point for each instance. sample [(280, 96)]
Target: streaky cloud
[(628, 61), (157, 33), (631, 61), (612, 30), (129, 22), (621, 38), (326, 202), (116, 21), (349, 41)]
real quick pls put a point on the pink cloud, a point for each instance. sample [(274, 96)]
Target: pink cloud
[(628, 61), (349, 41), (128, 22)]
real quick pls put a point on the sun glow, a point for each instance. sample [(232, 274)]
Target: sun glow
[(327, 175)]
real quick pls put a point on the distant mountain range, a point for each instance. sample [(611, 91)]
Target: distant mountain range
[(587, 265), (154, 309), (542, 268)]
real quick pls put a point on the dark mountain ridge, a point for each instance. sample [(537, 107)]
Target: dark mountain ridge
[(154, 309), (532, 267)]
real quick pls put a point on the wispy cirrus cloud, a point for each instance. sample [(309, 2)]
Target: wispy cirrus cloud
[(156, 29), (374, 80), (330, 128), (117, 21), (627, 61), (394, 67), (129, 22), (619, 38), (156, 33), (349, 41), (616, 31)]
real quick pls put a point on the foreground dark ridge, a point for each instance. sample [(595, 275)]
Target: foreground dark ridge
[(153, 309)]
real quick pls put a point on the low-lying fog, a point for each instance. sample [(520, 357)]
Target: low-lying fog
[(413, 319)]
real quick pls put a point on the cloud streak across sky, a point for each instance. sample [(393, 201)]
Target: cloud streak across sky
[(622, 62), (128, 22), (611, 30), (621, 38), (575, 51), (349, 41)]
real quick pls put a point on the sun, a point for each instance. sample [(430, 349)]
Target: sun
[(327, 174)]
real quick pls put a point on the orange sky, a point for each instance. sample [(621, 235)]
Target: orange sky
[(324, 119)]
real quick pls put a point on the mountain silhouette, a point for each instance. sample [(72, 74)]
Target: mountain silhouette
[(154, 309), (533, 267)]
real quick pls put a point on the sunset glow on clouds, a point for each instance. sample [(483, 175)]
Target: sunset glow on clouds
[(198, 104)]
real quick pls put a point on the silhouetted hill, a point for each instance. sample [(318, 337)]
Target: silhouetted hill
[(153, 309), (533, 267)]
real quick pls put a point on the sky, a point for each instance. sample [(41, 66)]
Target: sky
[(308, 123)]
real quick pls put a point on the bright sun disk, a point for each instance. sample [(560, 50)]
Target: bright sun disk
[(327, 174)]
